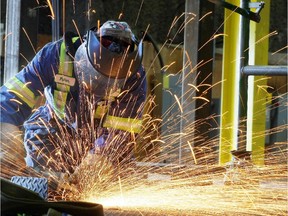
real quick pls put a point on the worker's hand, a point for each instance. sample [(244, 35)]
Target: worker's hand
[(94, 170), (93, 164), (65, 183), (12, 151), (93, 174), (59, 184)]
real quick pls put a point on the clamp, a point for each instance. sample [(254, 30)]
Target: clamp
[(254, 16)]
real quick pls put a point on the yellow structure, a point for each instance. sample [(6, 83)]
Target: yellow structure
[(257, 95), (230, 85), (230, 131)]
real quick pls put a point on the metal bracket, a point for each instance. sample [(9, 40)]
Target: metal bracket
[(258, 6), (254, 16)]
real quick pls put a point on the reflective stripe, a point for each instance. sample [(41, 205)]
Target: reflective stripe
[(65, 68), (127, 124), (166, 81), (22, 91), (59, 102), (63, 80), (100, 111), (66, 63)]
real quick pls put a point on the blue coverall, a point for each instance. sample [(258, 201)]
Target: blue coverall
[(50, 127)]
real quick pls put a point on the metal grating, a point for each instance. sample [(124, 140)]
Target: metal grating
[(38, 185)]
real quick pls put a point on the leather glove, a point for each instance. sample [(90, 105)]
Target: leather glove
[(93, 174), (96, 165), (12, 151)]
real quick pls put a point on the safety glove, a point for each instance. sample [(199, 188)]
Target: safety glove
[(94, 167)]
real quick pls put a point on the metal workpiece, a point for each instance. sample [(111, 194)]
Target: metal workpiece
[(265, 70)]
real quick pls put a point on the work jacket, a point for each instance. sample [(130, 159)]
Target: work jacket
[(50, 73)]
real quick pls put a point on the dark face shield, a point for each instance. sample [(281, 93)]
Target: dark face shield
[(117, 64), (90, 79), (100, 70), (115, 45)]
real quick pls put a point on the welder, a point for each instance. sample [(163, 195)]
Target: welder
[(94, 87)]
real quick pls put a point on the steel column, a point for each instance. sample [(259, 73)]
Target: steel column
[(190, 57), (230, 86), (56, 20), (11, 62)]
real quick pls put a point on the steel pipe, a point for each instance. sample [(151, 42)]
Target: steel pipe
[(265, 70), (56, 21)]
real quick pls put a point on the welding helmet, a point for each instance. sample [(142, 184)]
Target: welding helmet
[(107, 57)]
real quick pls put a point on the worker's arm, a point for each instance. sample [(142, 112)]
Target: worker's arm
[(18, 97)]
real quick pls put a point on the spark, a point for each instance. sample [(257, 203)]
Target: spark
[(264, 88), (198, 195), (51, 9), (17, 101), (285, 47), (74, 23), (174, 22), (192, 152), (29, 40), (189, 17), (7, 35), (27, 61), (178, 102), (138, 14), (264, 38), (214, 37), (120, 186), (202, 98), (166, 67), (154, 182), (205, 15), (16, 93)]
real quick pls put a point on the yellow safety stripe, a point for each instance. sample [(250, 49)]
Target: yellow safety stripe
[(100, 112), (127, 124), (166, 81), (65, 69), (59, 102), (21, 90)]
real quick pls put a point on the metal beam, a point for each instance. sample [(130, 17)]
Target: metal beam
[(190, 58), (56, 21), (11, 62)]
